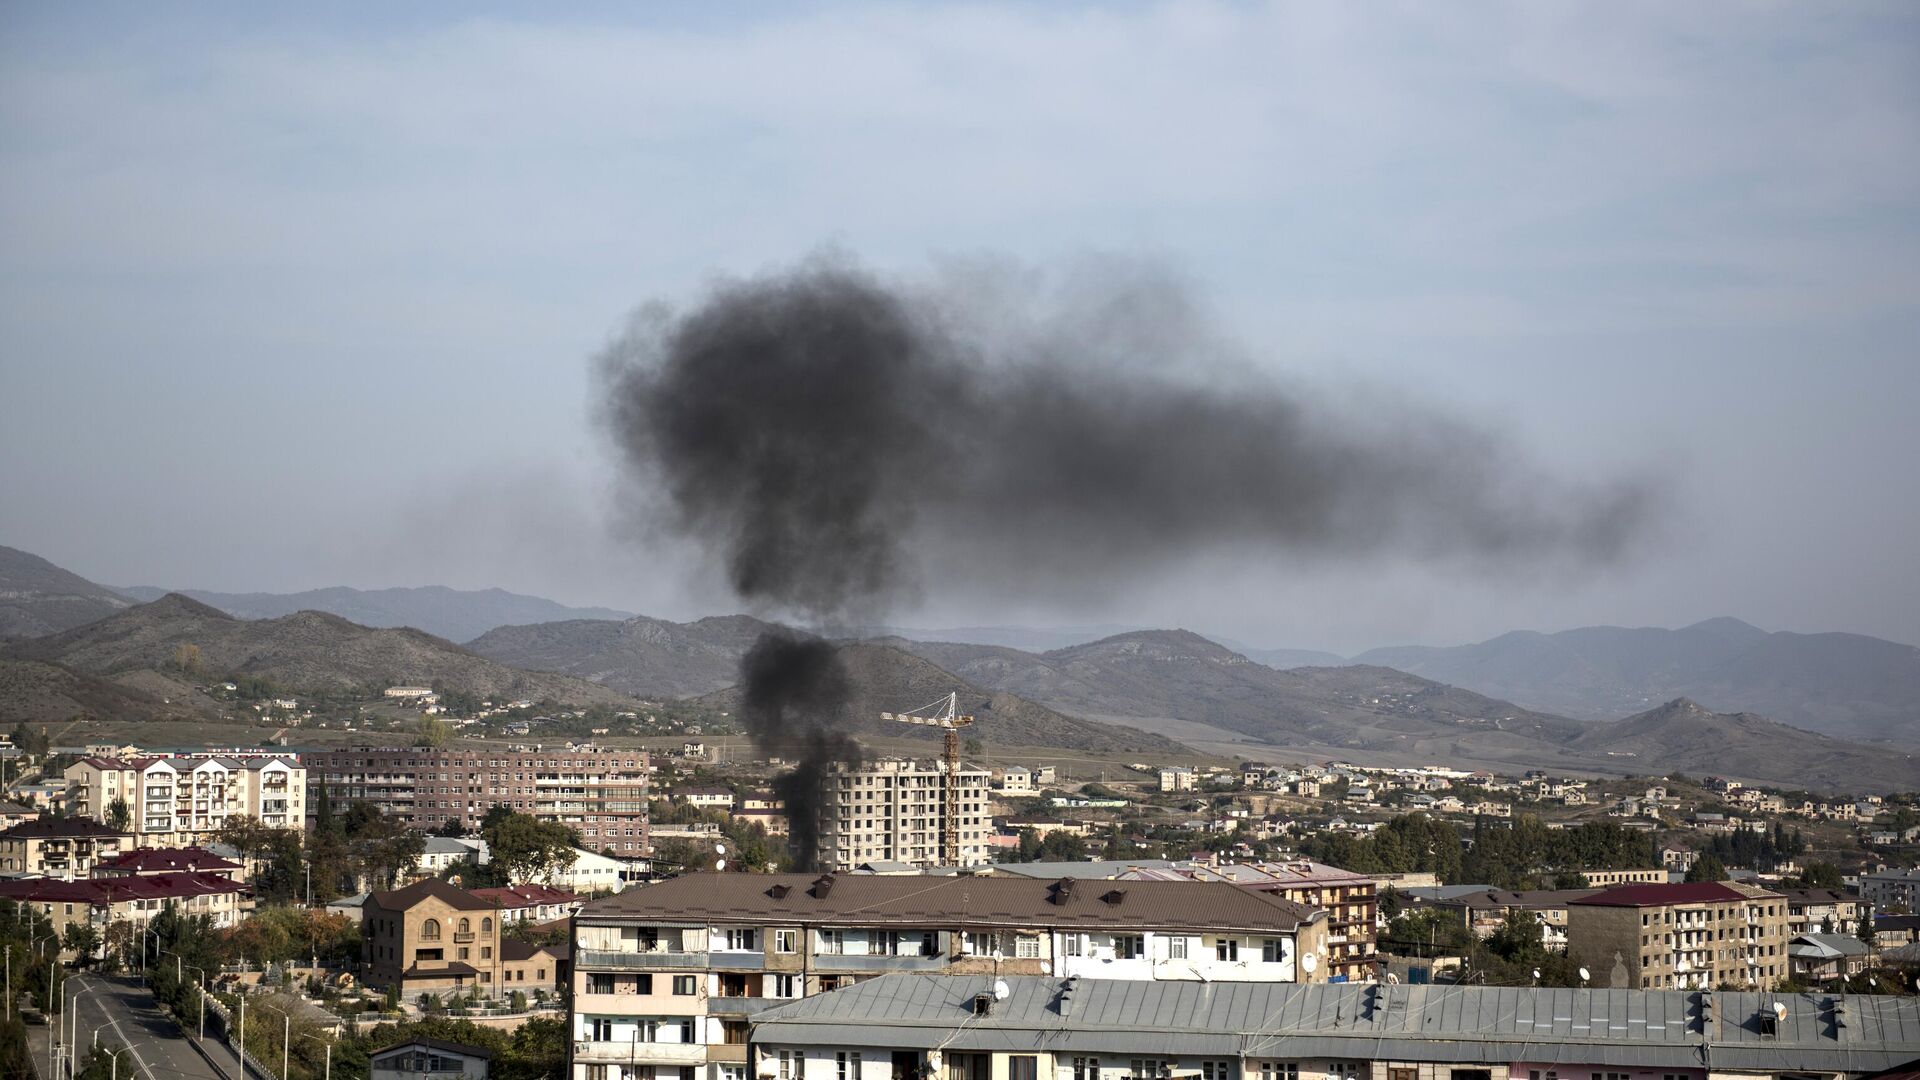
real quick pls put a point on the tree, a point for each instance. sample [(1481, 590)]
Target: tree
[(81, 940), (525, 848), (1707, 868), (186, 657), (119, 815)]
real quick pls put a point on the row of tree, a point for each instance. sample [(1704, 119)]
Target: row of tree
[(1526, 854)]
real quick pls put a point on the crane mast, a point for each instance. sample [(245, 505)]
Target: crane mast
[(944, 714)]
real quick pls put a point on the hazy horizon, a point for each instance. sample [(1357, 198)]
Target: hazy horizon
[(297, 299)]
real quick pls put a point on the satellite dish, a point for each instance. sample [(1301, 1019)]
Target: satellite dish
[(998, 956), (1585, 975), (719, 849), (1309, 962), (768, 1069), (933, 1060), (1046, 967), (1780, 1010), (1536, 973), (1001, 990), (720, 864)]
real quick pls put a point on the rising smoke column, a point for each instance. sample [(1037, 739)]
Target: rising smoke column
[(794, 693), (832, 436)]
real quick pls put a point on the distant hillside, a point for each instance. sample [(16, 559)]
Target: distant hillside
[(1683, 736), (454, 614), (1847, 685), (644, 657), (887, 679), (1179, 675), (306, 651), (42, 692), (37, 597)]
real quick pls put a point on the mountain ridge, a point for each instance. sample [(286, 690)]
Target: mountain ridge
[(453, 614), (38, 598)]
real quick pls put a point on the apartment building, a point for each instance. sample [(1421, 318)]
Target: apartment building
[(65, 848), (431, 938), (1892, 888), (1031, 1027), (1821, 911), (891, 811), (1606, 879), (1349, 899), (1484, 909), (183, 801), (665, 977), (601, 793), (1673, 937)]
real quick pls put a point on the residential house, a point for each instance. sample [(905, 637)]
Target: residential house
[(443, 853), (432, 938), (1826, 958), (146, 862), (532, 903), (134, 899)]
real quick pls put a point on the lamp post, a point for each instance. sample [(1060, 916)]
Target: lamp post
[(203, 999), (323, 1041), (286, 1036)]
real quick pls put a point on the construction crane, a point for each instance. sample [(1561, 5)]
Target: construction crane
[(945, 714)]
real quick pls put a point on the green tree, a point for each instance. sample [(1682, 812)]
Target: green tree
[(525, 848), (119, 815), (1707, 868), (81, 940)]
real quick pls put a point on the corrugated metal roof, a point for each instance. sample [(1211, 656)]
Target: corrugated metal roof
[(1630, 1028)]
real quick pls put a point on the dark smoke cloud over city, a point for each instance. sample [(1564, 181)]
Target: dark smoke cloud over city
[(836, 438)]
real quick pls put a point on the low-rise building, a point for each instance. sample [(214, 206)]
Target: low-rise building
[(1669, 937), (706, 796), (134, 899), (532, 903), (1606, 879), (1027, 1027), (436, 1058), (443, 853), (1825, 958), (1350, 900), (146, 862), (60, 847), (1817, 911), (431, 938), (1176, 778), (667, 976)]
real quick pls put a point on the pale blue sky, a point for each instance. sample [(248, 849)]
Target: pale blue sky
[(296, 300)]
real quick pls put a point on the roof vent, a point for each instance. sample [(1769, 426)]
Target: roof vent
[(822, 885), (1113, 897), (982, 1004), (779, 892), (1062, 891)]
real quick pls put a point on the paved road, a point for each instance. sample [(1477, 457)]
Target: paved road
[(120, 1012)]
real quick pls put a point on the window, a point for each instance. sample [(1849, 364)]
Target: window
[(486, 925), (683, 985), (599, 984), (733, 1032), (1144, 1068), (791, 1065), (1086, 1068), (596, 1072), (466, 926), (846, 1066), (463, 950), (1176, 948), (1216, 1070), (786, 986), (1274, 950), (1279, 1070), (742, 940), (1129, 946), (1027, 947), (1073, 945), (486, 952), (1023, 1067), (599, 1028), (833, 942), (1351, 1070), (1472, 1074), (733, 1072), (785, 941), (430, 930), (1226, 949)]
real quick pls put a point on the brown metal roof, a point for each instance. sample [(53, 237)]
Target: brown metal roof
[(877, 900), (403, 899)]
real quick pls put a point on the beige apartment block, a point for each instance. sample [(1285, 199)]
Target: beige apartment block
[(1696, 935), (891, 811), (181, 802)]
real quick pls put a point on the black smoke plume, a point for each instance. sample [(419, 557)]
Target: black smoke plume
[(834, 438), (831, 437), (795, 690)]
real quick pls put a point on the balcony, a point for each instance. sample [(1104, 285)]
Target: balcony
[(639, 1053), (879, 963), (462, 937), (640, 961)]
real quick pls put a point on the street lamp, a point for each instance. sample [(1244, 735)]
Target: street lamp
[(203, 998), (286, 1036), (326, 1042)]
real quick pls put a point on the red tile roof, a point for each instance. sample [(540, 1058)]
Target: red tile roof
[(150, 860), (103, 891), (518, 896)]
